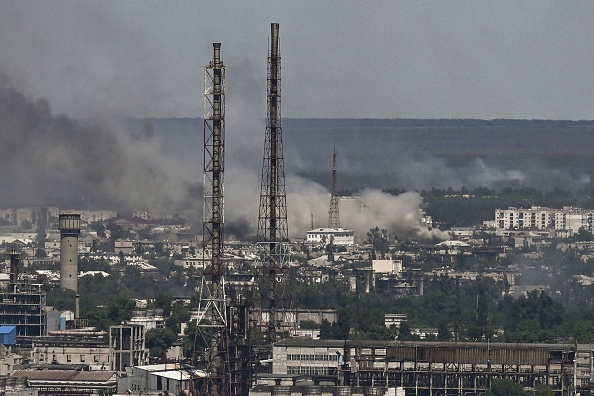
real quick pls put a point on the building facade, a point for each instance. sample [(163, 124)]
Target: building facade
[(567, 219), (430, 368), (127, 346), (340, 236)]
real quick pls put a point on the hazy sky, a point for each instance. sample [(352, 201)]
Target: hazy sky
[(357, 59)]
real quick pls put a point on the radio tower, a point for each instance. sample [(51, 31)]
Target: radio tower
[(212, 322), (271, 297), (333, 217)]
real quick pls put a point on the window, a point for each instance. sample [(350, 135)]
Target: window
[(82, 358), (68, 358), (96, 358)]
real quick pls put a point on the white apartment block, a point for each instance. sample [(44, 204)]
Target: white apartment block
[(339, 236), (391, 267), (89, 216), (567, 219)]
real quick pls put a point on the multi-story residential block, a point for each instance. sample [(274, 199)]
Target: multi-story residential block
[(89, 216), (565, 221)]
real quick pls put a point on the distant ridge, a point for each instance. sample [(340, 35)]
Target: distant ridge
[(311, 137), (392, 122), (427, 123)]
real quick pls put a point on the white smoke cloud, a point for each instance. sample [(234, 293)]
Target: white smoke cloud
[(400, 215)]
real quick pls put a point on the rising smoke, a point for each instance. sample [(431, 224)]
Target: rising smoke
[(52, 160), (399, 215)]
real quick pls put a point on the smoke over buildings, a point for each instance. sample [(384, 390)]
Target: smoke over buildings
[(53, 160)]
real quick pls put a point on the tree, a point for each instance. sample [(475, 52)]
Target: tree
[(179, 314), (196, 339), (342, 328), (583, 235), (26, 225), (117, 231), (98, 227), (543, 390), (325, 330), (163, 301), (308, 325), (379, 240), (116, 311), (159, 340), (443, 333), (505, 387), (404, 333)]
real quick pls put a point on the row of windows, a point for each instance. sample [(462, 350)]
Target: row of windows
[(82, 358), (322, 358), (308, 370)]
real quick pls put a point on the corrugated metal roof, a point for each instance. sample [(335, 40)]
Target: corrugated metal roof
[(64, 375), (176, 375)]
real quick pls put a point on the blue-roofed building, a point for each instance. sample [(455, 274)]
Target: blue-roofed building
[(8, 335)]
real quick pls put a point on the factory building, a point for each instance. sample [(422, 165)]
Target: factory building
[(157, 379), (68, 382), (79, 352), (429, 368)]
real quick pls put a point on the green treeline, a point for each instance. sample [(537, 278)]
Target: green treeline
[(474, 311), (470, 207)]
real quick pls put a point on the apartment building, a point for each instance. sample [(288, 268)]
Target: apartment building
[(568, 219)]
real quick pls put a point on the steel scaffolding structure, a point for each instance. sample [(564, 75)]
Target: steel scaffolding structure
[(333, 215), (271, 295), (212, 322)]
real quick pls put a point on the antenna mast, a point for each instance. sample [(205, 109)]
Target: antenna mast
[(271, 297), (333, 215), (212, 322)]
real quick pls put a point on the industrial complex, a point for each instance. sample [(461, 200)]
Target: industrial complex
[(245, 334)]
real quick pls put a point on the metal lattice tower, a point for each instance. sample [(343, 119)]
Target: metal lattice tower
[(333, 215), (212, 322), (271, 296)]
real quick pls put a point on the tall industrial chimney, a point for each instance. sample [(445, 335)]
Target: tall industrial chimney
[(15, 258), (69, 230)]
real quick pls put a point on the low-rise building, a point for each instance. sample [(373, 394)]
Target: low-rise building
[(69, 382), (391, 267), (71, 353), (156, 379), (339, 236)]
